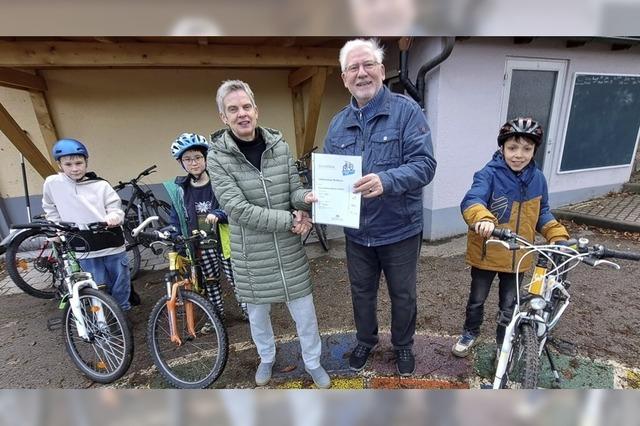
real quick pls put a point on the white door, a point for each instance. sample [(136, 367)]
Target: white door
[(533, 87)]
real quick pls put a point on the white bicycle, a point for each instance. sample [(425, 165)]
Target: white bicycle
[(94, 327), (537, 313)]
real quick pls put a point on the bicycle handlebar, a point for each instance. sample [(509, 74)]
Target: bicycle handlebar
[(602, 252), (145, 172), (135, 231)]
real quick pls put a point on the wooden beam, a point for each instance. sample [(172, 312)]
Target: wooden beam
[(20, 140), (316, 91), (298, 118), (301, 75), (69, 54), (47, 128), (21, 80)]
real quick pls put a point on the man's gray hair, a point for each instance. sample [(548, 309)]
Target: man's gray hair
[(372, 44), (229, 86)]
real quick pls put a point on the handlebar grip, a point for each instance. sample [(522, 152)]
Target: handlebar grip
[(148, 170), (502, 233), (618, 254), (150, 235)]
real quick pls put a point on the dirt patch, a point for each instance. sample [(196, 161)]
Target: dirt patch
[(602, 320)]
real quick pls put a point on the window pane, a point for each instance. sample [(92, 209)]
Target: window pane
[(531, 95)]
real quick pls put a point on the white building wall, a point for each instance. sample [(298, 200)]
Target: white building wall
[(464, 106)]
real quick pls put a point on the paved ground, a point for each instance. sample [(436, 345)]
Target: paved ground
[(436, 367), (620, 211)]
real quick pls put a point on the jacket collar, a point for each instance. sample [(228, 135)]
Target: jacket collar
[(379, 105), (524, 176), (223, 141)]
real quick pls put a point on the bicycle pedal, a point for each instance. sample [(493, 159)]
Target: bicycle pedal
[(54, 324), (563, 346)]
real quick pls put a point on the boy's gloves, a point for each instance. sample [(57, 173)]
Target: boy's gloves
[(112, 219)]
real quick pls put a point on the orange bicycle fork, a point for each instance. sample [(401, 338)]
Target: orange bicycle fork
[(173, 285)]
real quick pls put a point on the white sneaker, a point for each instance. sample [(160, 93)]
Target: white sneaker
[(463, 346), (320, 377), (263, 373)]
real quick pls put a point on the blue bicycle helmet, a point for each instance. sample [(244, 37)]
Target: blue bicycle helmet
[(69, 147), (187, 141)]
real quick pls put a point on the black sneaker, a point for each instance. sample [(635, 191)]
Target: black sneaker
[(358, 357), (405, 362)]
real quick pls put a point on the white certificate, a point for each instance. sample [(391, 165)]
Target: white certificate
[(333, 178)]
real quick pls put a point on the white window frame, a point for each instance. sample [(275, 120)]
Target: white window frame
[(560, 66), (566, 125)]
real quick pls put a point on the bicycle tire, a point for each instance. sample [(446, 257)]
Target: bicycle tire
[(524, 363), (40, 283), (321, 233), (163, 211), (108, 355), (179, 370)]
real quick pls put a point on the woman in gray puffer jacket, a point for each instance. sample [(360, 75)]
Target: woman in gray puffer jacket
[(255, 180)]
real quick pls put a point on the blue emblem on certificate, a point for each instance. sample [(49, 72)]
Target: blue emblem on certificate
[(348, 169)]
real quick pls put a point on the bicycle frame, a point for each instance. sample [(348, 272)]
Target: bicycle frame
[(75, 280), (174, 281)]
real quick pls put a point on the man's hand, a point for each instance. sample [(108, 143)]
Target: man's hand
[(370, 186), (211, 219), (484, 228), (301, 222)]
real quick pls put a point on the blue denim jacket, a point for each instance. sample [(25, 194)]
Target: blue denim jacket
[(391, 135)]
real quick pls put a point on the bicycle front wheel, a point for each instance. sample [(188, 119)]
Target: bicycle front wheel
[(523, 369), (198, 360), (107, 353), (31, 263)]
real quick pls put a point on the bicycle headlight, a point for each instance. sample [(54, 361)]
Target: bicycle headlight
[(537, 303)]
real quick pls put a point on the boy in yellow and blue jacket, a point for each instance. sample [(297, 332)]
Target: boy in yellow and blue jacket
[(509, 192)]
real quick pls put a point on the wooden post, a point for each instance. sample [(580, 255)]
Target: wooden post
[(298, 118), (17, 137), (316, 91), (47, 128)]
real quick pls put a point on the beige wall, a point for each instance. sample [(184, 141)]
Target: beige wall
[(128, 118)]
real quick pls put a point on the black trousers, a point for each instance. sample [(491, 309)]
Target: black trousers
[(481, 281), (399, 263)]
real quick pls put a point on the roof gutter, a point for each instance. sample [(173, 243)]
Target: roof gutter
[(417, 91)]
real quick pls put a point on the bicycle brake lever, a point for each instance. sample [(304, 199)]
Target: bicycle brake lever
[(606, 263), (507, 245)]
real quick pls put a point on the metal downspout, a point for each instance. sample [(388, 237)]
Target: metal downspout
[(417, 91)]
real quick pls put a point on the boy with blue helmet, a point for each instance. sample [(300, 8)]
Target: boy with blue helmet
[(75, 195), (509, 192), (192, 195)]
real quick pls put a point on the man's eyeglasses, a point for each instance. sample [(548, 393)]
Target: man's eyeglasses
[(368, 66), (195, 159)]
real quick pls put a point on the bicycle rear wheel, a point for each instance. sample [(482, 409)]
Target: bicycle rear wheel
[(523, 368), (107, 354), (200, 359), (31, 264)]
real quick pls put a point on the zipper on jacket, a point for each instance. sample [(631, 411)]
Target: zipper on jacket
[(522, 194), (275, 238), (244, 243)]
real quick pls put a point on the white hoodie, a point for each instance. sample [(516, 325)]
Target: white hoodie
[(84, 202)]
